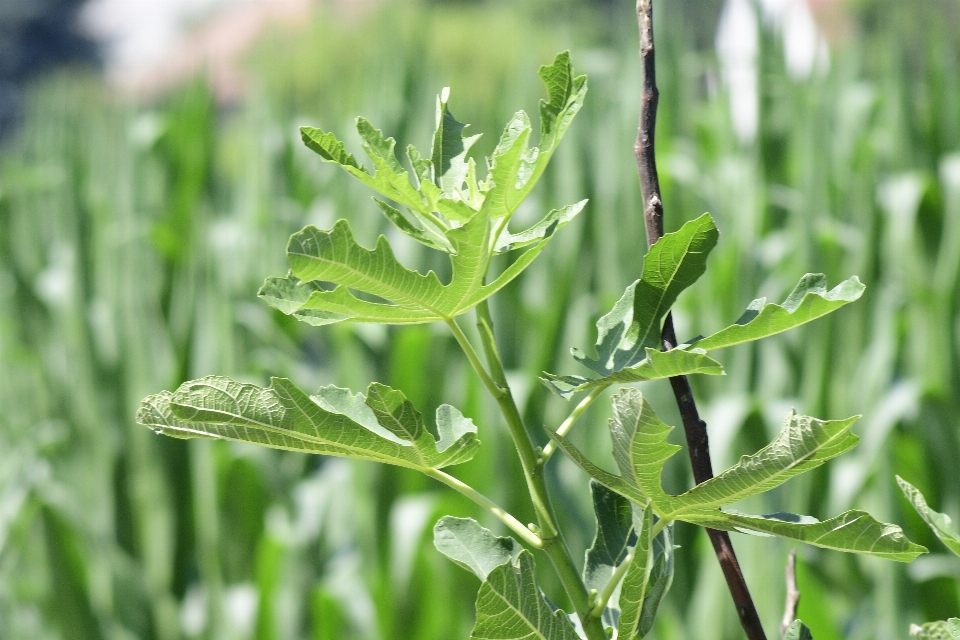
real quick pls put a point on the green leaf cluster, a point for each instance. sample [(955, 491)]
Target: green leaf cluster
[(442, 205), (628, 336), (640, 449)]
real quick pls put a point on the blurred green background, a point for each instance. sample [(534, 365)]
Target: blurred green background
[(134, 235)]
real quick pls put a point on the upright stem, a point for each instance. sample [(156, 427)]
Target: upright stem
[(694, 428), (553, 543)]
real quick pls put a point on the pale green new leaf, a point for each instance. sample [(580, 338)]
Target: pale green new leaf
[(853, 531), (673, 263), (633, 590), (661, 577), (940, 522), (383, 426), (450, 148), (941, 630), (808, 301), (640, 449), (797, 631), (657, 365), (388, 177), (510, 606), (804, 443), (473, 547), (515, 167), (540, 231), (613, 539)]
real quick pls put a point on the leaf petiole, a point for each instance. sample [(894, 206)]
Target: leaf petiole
[(474, 359), (571, 419), (506, 518)]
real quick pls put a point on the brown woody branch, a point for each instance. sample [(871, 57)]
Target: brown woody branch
[(694, 428), (793, 593)]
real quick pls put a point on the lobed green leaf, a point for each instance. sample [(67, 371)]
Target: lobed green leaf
[(511, 606), (473, 547), (854, 531), (383, 426), (940, 523), (673, 263), (640, 449), (808, 301), (657, 365), (804, 443), (448, 211)]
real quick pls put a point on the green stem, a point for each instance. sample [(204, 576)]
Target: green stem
[(553, 542), (474, 359), (657, 528), (572, 418), (611, 585), (515, 525)]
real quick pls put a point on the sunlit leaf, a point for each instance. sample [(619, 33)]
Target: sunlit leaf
[(940, 630), (797, 631), (450, 148), (939, 522), (804, 443), (510, 606), (808, 301), (657, 365), (541, 230), (383, 426), (640, 449), (633, 590), (473, 547), (408, 296), (853, 531), (671, 265)]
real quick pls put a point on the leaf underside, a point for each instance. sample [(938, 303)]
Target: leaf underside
[(640, 449), (473, 547), (510, 605), (382, 426), (940, 523)]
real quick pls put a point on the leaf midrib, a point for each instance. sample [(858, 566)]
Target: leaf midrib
[(740, 494)]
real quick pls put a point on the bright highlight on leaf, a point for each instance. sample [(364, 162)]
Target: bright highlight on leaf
[(383, 426), (640, 449), (473, 547), (446, 209)]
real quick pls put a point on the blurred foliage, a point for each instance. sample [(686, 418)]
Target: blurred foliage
[(133, 240)]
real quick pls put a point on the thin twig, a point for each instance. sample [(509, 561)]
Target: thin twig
[(793, 593), (694, 428), (571, 419), (505, 517)]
